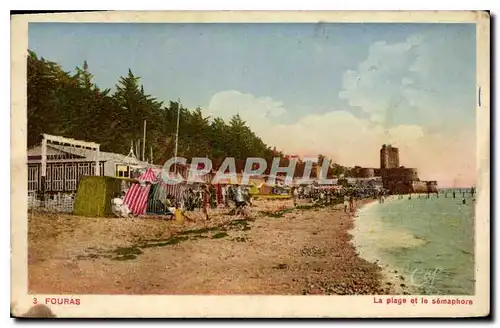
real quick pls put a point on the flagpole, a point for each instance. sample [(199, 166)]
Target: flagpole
[(144, 143), (177, 131)]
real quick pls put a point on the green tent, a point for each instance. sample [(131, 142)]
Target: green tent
[(94, 195), (254, 189)]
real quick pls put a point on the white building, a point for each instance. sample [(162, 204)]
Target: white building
[(66, 164)]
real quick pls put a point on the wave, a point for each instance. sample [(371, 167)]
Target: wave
[(373, 239), (370, 231), (421, 235)]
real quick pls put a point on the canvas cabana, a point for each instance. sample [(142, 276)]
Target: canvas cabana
[(149, 193), (137, 195)]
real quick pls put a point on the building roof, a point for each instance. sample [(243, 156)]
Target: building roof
[(105, 156), (89, 154)]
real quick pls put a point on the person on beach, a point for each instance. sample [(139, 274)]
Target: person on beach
[(346, 203), (179, 214), (206, 201), (240, 201), (248, 197), (351, 204), (294, 196), (230, 195)]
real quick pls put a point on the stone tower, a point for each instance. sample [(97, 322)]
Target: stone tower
[(389, 157)]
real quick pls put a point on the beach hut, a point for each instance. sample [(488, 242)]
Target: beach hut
[(94, 195), (254, 189), (149, 193), (137, 195)]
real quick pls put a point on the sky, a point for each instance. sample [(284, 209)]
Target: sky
[(336, 89)]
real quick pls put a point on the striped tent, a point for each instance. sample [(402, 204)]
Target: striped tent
[(175, 190), (158, 194), (137, 196)]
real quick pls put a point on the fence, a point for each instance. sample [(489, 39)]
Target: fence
[(60, 202)]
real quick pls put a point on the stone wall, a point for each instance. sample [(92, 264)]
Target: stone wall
[(363, 172), (420, 187), (399, 174)]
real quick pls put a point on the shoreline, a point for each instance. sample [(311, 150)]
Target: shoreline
[(398, 282)]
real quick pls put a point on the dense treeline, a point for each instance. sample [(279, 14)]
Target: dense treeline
[(71, 105)]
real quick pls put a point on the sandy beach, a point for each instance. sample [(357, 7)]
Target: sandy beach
[(279, 250)]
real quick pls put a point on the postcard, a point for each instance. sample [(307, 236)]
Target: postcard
[(250, 164)]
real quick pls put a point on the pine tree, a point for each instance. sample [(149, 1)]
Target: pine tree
[(72, 105)]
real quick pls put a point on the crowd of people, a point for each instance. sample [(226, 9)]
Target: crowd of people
[(346, 195), (453, 193), (206, 197), (238, 198)]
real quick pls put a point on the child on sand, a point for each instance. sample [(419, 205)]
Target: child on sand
[(351, 204), (346, 203), (179, 214)]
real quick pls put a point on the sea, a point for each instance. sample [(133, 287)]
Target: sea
[(426, 241)]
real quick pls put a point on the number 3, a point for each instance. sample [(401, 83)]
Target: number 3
[(35, 300)]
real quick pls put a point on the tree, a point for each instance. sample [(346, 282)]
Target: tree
[(338, 170), (72, 105), (135, 107), (220, 139)]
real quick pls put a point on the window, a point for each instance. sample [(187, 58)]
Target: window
[(58, 177), (83, 169), (92, 169), (122, 171), (70, 176), (32, 178), (48, 177)]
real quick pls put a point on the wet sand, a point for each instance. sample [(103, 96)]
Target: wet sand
[(278, 251)]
